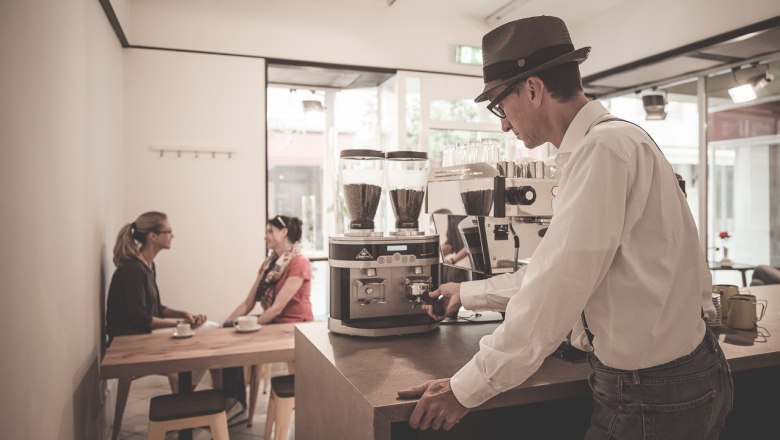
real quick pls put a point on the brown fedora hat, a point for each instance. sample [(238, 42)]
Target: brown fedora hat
[(525, 47)]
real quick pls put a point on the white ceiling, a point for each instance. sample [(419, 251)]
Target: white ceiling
[(570, 11)]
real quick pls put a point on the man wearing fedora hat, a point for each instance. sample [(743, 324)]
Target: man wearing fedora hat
[(620, 267)]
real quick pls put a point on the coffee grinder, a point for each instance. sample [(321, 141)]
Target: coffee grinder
[(377, 281)]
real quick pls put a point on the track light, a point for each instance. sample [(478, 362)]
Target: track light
[(655, 106), (313, 105), (748, 91)]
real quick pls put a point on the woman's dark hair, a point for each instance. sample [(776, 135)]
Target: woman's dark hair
[(563, 82), (294, 226)]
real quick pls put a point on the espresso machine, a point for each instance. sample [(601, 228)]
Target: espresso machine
[(378, 281), (503, 211)]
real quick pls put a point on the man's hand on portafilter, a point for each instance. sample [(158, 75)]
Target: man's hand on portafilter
[(438, 408), (450, 300)]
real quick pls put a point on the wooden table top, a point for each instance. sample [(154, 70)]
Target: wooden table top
[(161, 353)]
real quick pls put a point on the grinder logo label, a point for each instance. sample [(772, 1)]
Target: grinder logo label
[(364, 255)]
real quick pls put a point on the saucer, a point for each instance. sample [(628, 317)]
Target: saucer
[(248, 330), (185, 335)]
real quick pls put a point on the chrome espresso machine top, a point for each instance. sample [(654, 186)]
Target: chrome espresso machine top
[(502, 211), (377, 281)]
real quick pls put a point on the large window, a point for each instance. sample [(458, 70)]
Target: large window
[(744, 178), (743, 144), (309, 126)]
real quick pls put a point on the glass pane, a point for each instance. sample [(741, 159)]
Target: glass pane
[(744, 177), (357, 119), (461, 110), (413, 85), (296, 146), (387, 116), (320, 286)]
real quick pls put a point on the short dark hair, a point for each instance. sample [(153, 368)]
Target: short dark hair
[(294, 226), (563, 82)]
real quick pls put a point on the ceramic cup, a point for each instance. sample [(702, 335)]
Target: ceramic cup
[(726, 291), (183, 328), (245, 322), (742, 311)]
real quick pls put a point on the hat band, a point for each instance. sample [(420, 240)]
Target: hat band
[(510, 68)]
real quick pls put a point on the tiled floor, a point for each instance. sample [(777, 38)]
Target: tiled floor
[(136, 416)]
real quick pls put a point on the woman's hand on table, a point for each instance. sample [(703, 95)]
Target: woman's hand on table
[(450, 300), (195, 320), (438, 407)]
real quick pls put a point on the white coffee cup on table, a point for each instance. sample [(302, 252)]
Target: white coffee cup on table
[(245, 322), (183, 328)]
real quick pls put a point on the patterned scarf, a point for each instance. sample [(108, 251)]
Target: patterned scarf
[(273, 269)]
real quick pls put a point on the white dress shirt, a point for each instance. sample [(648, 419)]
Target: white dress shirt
[(622, 246)]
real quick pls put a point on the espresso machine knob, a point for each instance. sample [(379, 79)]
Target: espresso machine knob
[(520, 195)]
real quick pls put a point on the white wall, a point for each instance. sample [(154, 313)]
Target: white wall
[(310, 30), (374, 35), (216, 206), (60, 190)]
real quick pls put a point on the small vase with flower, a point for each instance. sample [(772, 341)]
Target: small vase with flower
[(724, 238)]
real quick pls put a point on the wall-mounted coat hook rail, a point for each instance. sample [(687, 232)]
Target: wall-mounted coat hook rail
[(195, 152)]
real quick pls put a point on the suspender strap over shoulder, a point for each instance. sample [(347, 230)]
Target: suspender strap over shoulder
[(588, 333)]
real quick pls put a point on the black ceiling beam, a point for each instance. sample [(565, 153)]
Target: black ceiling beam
[(108, 8), (687, 49)]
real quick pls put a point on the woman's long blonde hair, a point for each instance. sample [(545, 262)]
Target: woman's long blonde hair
[(133, 235)]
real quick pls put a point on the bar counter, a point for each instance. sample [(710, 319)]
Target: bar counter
[(346, 385)]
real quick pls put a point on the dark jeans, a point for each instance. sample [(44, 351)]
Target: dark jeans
[(687, 398)]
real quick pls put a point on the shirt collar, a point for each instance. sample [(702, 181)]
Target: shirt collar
[(582, 122)]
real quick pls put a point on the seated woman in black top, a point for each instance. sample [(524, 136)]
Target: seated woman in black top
[(133, 305)]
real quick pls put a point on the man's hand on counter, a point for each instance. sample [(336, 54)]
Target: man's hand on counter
[(450, 300), (438, 408)]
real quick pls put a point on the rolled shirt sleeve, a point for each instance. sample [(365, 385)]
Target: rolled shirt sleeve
[(493, 293)]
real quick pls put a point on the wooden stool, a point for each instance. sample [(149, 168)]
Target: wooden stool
[(280, 407), (257, 372), (123, 391), (188, 410)]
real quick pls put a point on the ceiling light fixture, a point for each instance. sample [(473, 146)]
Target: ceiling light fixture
[(311, 105), (655, 106), (748, 90)]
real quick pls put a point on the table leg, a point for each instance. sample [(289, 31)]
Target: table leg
[(744, 278), (185, 386)]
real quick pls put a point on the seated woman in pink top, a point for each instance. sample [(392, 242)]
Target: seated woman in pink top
[(282, 288), (283, 282)]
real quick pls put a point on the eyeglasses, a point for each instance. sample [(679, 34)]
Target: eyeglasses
[(495, 103), (164, 231)]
